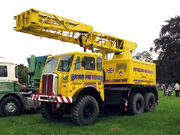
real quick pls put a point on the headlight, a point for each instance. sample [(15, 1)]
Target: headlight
[(65, 77)]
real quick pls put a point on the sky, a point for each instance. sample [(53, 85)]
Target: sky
[(139, 21)]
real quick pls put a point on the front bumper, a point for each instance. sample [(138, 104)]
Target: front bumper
[(46, 98)]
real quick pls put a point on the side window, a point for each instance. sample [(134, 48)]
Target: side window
[(3, 71), (99, 64), (78, 64), (88, 63)]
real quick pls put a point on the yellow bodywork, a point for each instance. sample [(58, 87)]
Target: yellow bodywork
[(117, 71), (129, 71), (78, 79), (122, 69)]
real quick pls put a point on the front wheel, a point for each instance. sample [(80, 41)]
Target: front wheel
[(10, 106), (85, 111), (47, 111)]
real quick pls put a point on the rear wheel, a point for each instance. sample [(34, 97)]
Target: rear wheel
[(10, 106), (85, 111), (136, 104), (149, 102), (47, 111)]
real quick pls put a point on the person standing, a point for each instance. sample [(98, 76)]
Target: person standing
[(177, 89), (164, 89)]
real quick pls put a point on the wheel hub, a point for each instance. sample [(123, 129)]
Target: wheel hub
[(10, 107), (150, 103), (138, 105), (88, 111)]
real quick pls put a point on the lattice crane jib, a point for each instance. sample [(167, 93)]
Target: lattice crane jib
[(43, 24)]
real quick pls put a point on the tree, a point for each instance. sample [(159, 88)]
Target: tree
[(144, 56), (168, 47), (22, 73)]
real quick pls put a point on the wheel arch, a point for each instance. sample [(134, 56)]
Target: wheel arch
[(143, 90), (13, 95), (88, 91)]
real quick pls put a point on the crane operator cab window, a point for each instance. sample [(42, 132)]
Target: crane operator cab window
[(3, 71), (88, 63)]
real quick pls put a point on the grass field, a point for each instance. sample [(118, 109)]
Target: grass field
[(165, 120)]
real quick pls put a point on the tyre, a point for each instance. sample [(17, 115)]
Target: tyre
[(10, 106), (149, 102), (47, 111), (85, 111), (136, 104)]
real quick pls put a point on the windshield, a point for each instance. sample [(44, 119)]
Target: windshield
[(65, 63), (51, 65)]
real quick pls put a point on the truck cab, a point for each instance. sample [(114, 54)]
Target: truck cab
[(66, 75), (9, 101), (8, 71), (8, 77)]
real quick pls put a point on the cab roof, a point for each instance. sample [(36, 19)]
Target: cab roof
[(77, 53), (5, 61)]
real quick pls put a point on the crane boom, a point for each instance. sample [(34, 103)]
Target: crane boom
[(43, 24)]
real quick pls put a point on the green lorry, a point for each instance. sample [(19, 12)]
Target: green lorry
[(14, 97)]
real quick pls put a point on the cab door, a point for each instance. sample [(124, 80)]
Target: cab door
[(88, 64), (77, 76), (93, 73)]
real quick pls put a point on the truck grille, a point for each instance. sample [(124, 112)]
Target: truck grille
[(47, 84)]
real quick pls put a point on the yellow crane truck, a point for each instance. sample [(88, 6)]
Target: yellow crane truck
[(82, 83)]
